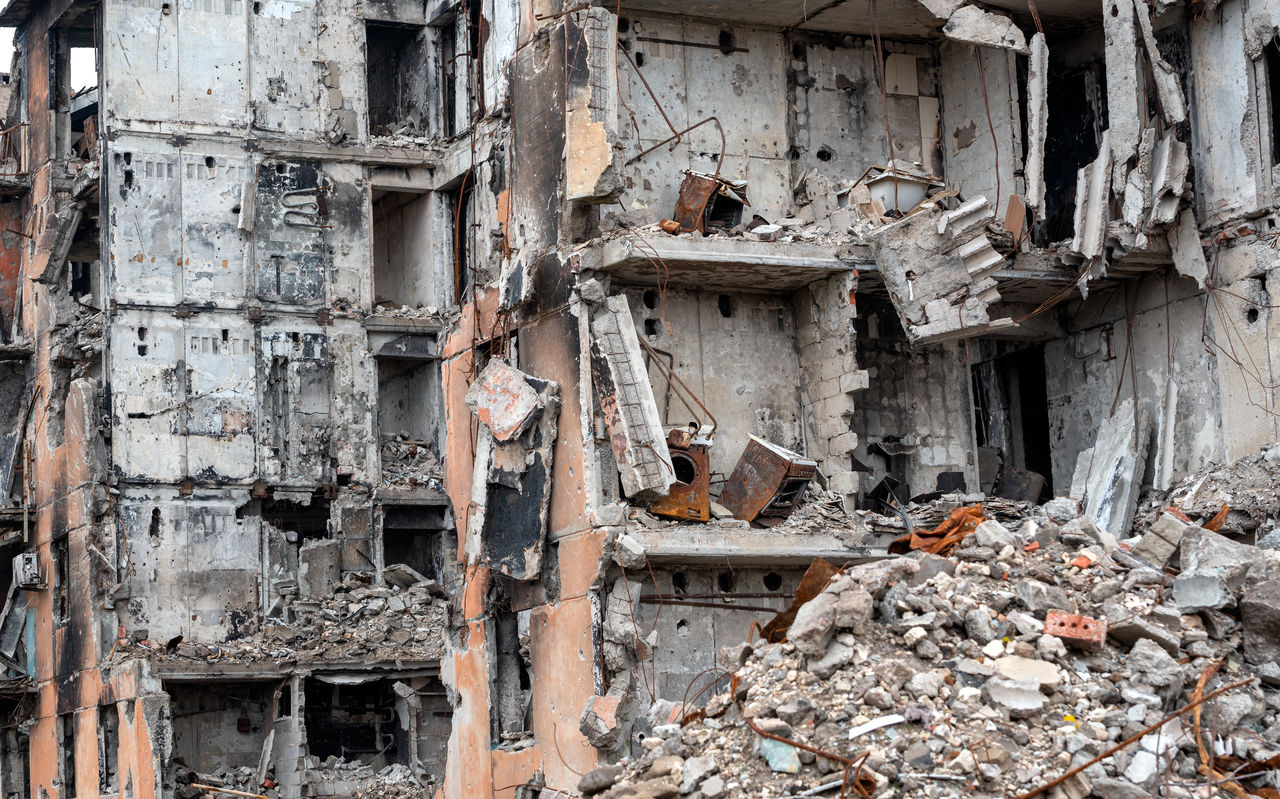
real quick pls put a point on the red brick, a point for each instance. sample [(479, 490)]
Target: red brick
[(1080, 631)]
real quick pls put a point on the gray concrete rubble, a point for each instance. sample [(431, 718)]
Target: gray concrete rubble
[(938, 266), (902, 677)]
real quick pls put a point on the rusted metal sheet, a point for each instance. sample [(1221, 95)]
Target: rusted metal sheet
[(691, 205), (816, 578), (767, 482), (690, 495)]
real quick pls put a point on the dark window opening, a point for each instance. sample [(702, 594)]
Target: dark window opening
[(772, 581), (62, 584), (15, 766), (1077, 114), (447, 47), (460, 210), (308, 521), (512, 679), (379, 722), (651, 328), (396, 78), (218, 725), (81, 274), (414, 536), (1011, 419), (680, 582), (1272, 54), (108, 749), (67, 770), (650, 299), (477, 37)]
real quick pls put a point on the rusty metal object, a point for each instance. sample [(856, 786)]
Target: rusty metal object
[(943, 539), (670, 226), (691, 206), (690, 495), (816, 578), (767, 482)]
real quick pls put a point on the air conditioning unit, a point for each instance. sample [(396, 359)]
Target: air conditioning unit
[(26, 571)]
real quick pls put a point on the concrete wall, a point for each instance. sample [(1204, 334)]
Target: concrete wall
[(1203, 408), (979, 154), (743, 366)]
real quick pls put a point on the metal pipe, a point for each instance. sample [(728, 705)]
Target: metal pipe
[(228, 790), (719, 161)]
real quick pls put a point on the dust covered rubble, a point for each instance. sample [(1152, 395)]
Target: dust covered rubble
[(950, 654), (358, 622), (336, 776), (410, 463)]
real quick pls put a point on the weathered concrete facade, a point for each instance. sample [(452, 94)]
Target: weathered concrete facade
[(344, 351)]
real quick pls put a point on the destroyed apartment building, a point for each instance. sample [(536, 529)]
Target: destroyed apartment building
[(529, 398)]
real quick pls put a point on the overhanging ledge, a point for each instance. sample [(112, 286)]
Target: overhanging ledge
[(723, 264), (711, 545)]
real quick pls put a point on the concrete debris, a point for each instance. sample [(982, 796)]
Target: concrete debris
[(1125, 120), (1037, 120), (410, 463), (622, 385), (938, 266), (502, 398), (1111, 470), (1169, 90), (1188, 252), (1012, 713), (973, 25), (1093, 187), (355, 622)]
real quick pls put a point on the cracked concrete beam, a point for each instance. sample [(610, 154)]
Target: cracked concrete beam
[(1169, 165), (1037, 121)]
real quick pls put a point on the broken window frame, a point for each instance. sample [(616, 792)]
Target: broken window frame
[(412, 42)]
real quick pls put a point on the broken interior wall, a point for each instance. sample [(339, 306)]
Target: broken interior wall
[(1210, 411), (831, 377), (737, 353), (836, 121), (982, 158), (917, 399)]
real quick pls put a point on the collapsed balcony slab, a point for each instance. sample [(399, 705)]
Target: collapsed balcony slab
[(723, 264)]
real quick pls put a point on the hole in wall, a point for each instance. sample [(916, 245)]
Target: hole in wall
[(235, 209), (639, 59), (651, 328), (825, 153), (797, 51), (727, 41), (282, 169), (682, 627), (772, 581), (210, 162), (725, 581), (154, 530), (680, 582), (1115, 10), (142, 349), (650, 299), (1251, 315), (624, 25), (166, 9), (257, 8), (725, 303), (142, 334), (684, 468), (225, 334)]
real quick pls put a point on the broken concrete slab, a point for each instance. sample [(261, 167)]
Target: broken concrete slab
[(626, 399), (1114, 473), (503, 400), (1260, 617), (1168, 89), (973, 25), (319, 567), (1203, 589), (1202, 549), (1123, 67), (1169, 166), (1161, 540), (1037, 121), (1188, 254), (937, 266), (1093, 196)]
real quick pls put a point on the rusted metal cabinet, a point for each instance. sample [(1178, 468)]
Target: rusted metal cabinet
[(767, 482)]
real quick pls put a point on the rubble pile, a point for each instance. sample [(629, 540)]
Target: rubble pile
[(354, 779), (995, 671), (410, 463), (359, 622), (189, 783), (1249, 488)]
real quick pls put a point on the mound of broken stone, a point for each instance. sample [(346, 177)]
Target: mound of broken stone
[(358, 622), (937, 677)]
